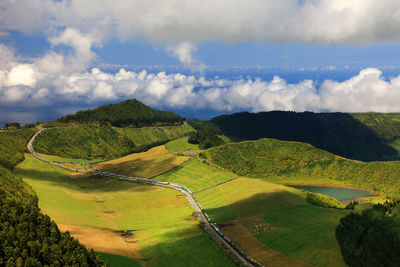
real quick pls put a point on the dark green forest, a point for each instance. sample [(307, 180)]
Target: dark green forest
[(362, 136), (371, 238), (205, 139), (129, 113)]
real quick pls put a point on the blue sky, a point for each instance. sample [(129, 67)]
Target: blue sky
[(198, 57)]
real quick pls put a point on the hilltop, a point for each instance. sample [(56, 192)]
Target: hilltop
[(129, 113), (362, 136)]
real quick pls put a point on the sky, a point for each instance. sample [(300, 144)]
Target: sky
[(198, 58)]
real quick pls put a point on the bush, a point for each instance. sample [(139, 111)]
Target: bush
[(323, 201), (205, 139)]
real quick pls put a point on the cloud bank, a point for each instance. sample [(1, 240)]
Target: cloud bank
[(174, 21), (57, 78)]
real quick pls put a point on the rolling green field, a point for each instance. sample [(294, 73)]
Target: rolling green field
[(284, 162), (181, 144), (118, 261), (195, 175), (145, 165), (13, 146), (300, 230), (166, 233), (104, 142)]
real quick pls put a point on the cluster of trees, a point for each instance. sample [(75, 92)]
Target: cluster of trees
[(30, 238), (371, 238), (205, 139), (13, 147), (130, 113), (270, 157), (367, 136), (17, 125), (328, 202)]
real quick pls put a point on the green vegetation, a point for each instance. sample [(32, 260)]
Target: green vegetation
[(104, 142), (323, 201), (131, 113), (180, 144), (29, 238), (260, 216), (205, 139), (146, 164), (371, 238), (283, 161), (164, 231), (195, 175), (13, 146), (118, 261), (362, 136)]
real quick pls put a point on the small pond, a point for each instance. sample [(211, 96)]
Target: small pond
[(340, 193)]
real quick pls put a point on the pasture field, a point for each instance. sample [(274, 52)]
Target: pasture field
[(118, 261), (260, 216), (159, 222), (181, 144), (195, 175), (145, 165)]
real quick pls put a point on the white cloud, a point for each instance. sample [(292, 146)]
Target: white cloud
[(174, 21), (184, 52), (54, 78)]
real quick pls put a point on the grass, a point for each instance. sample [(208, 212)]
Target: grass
[(57, 158), (301, 231), (118, 261), (145, 135), (195, 175), (181, 144), (146, 164), (166, 233)]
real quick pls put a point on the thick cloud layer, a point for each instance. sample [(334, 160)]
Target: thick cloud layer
[(174, 21), (57, 78)]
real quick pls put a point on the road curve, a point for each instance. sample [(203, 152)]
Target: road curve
[(181, 188)]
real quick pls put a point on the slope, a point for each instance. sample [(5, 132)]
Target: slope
[(283, 161), (363, 136)]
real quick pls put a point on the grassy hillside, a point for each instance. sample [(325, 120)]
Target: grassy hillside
[(283, 161), (13, 146), (195, 175), (99, 142), (127, 113), (271, 223), (97, 210), (145, 165), (363, 136)]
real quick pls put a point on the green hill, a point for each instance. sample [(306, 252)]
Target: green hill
[(13, 146), (131, 113), (284, 161), (104, 142), (363, 136)]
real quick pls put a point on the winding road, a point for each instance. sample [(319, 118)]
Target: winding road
[(212, 228)]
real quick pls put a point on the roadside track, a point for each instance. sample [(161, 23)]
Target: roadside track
[(211, 227)]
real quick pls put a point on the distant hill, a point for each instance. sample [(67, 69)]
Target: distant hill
[(363, 136), (296, 161), (132, 113), (104, 142)]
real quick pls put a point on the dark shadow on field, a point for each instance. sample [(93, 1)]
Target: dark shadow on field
[(86, 184), (256, 205), (188, 248), (339, 133)]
